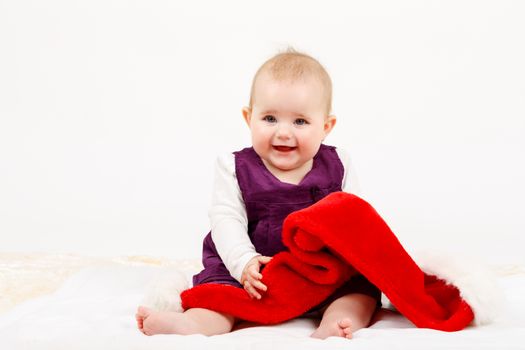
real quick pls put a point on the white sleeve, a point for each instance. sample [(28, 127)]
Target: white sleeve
[(229, 222), (350, 181)]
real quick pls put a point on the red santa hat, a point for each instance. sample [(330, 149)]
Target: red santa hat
[(334, 238)]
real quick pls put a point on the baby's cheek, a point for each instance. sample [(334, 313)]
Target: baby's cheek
[(261, 145)]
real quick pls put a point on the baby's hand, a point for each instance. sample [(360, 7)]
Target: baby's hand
[(251, 277)]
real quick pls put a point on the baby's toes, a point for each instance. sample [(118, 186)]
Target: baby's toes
[(348, 332), (140, 316), (140, 323), (344, 323)]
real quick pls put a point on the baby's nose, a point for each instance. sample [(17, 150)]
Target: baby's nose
[(284, 131)]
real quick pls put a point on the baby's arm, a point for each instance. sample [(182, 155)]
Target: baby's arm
[(350, 181), (229, 228)]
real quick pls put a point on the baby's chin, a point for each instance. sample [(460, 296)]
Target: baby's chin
[(283, 165)]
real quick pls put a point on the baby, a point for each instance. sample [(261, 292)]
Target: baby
[(286, 169)]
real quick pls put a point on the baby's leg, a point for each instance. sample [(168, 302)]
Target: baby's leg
[(192, 321), (346, 315)]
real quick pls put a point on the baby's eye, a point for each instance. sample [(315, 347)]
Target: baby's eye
[(270, 118), (301, 121)]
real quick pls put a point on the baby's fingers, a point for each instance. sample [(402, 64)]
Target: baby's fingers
[(264, 259), (252, 292), (259, 285), (255, 274)]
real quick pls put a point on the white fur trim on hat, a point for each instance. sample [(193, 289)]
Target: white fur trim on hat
[(163, 294), (476, 281)]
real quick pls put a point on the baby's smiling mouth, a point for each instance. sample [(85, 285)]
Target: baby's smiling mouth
[(284, 148)]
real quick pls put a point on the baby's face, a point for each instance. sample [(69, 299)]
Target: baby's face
[(288, 121)]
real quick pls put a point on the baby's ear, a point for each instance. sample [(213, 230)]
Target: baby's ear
[(247, 114), (329, 124)]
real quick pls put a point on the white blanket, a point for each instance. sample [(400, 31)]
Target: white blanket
[(94, 309)]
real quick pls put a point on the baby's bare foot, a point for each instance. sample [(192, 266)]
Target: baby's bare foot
[(339, 328), (163, 322)]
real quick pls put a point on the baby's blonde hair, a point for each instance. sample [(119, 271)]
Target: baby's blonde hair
[(293, 65)]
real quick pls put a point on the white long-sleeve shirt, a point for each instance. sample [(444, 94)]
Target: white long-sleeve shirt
[(229, 222)]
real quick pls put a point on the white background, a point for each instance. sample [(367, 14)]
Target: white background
[(112, 114)]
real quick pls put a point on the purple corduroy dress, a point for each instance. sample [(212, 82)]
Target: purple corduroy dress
[(268, 201)]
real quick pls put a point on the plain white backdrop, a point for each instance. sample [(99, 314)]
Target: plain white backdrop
[(112, 114)]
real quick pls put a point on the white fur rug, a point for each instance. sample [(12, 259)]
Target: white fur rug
[(95, 306)]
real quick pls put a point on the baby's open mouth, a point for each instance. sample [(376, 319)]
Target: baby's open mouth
[(284, 148)]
